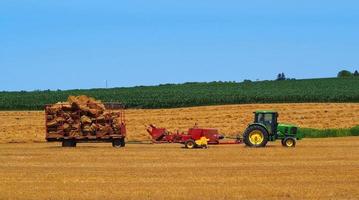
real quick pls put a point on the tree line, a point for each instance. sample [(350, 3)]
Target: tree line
[(346, 73)]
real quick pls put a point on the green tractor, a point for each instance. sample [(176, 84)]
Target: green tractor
[(266, 128)]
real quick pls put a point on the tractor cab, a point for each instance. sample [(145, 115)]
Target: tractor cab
[(266, 128), (268, 118)]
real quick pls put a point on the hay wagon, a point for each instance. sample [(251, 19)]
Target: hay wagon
[(83, 120)]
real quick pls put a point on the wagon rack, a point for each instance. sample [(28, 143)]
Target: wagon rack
[(117, 138)]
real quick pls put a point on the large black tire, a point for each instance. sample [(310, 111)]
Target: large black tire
[(117, 143), (190, 144), (289, 142), (259, 130), (68, 143)]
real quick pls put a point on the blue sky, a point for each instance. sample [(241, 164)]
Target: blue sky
[(68, 44)]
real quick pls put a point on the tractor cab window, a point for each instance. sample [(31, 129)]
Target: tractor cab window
[(264, 118)]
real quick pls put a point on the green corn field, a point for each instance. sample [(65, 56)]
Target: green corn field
[(199, 94)]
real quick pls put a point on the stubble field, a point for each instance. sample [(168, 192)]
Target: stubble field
[(24, 126), (315, 169)]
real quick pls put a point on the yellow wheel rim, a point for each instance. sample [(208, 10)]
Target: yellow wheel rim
[(289, 143), (256, 137)]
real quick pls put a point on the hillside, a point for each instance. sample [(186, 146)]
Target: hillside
[(199, 94)]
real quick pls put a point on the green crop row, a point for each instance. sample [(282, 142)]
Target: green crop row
[(317, 133), (199, 94)]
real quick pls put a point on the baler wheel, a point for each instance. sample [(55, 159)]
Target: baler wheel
[(190, 144)]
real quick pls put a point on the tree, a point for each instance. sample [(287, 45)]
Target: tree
[(356, 73), (281, 77), (247, 81), (344, 74)]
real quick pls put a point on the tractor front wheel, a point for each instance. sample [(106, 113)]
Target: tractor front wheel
[(256, 136), (289, 142), (190, 144)]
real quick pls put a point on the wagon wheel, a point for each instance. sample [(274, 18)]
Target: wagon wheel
[(117, 143), (68, 143), (123, 142)]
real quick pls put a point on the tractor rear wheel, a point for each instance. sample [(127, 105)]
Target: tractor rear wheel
[(190, 144), (289, 142), (255, 136)]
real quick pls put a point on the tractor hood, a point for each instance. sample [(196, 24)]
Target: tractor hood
[(286, 125), (283, 128)]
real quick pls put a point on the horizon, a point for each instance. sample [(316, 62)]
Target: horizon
[(163, 84)]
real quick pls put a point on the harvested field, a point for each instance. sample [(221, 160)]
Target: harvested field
[(315, 169), (231, 119)]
